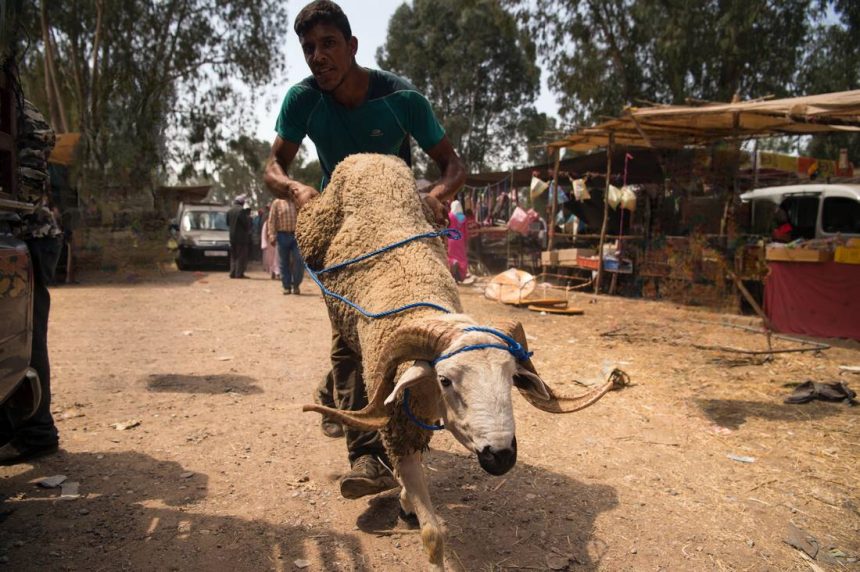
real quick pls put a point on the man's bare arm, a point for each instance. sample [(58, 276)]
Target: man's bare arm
[(276, 178), (452, 178)]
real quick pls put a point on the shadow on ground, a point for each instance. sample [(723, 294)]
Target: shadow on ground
[(733, 413), (139, 513), (212, 384), (510, 522)]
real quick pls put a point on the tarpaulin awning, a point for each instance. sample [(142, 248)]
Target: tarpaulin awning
[(675, 126), (63, 152)]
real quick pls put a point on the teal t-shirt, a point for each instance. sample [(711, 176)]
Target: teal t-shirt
[(393, 110)]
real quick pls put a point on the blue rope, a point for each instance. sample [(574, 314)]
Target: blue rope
[(511, 345), (450, 232), (414, 419)]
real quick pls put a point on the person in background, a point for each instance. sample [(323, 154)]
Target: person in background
[(281, 230), (38, 435), (345, 109), (271, 263), (239, 222), (783, 229), (458, 260)]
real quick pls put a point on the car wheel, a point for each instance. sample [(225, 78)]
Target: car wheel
[(181, 265)]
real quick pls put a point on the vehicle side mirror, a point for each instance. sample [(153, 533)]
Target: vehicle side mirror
[(174, 225)]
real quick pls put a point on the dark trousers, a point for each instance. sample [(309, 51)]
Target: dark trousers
[(289, 260), (239, 252), (343, 388), (40, 430)]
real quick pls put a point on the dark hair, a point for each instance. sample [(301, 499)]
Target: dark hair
[(322, 12)]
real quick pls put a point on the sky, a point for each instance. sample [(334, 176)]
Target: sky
[(369, 22)]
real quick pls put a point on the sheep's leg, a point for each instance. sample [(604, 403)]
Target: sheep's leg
[(417, 497)]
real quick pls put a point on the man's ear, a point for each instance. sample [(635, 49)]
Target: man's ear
[(529, 382), (418, 372), (353, 45)]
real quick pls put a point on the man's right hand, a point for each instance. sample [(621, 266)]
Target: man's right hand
[(302, 193)]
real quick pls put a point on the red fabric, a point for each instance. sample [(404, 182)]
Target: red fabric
[(815, 299)]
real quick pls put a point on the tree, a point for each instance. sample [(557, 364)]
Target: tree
[(474, 65), (145, 81), (604, 55), (832, 63)]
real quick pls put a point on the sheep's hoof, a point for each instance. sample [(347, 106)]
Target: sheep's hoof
[(409, 518)]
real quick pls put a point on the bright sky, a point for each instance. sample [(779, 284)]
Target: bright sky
[(369, 21)]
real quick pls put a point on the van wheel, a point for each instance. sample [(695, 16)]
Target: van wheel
[(181, 265)]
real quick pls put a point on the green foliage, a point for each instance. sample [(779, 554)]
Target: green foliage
[(474, 65), (606, 54), (239, 171), (832, 63), (152, 81)]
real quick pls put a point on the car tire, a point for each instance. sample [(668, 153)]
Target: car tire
[(181, 265)]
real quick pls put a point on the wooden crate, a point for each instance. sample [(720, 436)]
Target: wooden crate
[(549, 258), (798, 255)]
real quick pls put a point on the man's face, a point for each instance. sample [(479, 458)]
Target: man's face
[(328, 54)]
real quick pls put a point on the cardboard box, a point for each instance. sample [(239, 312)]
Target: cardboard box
[(549, 258), (798, 255), (569, 256), (847, 254), (589, 262)]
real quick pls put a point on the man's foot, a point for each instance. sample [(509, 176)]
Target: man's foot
[(331, 428), (12, 453), (287, 292), (296, 290), (368, 476)]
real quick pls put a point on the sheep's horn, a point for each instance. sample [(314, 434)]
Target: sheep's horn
[(418, 341), (557, 402)]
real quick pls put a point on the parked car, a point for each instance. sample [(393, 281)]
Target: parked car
[(202, 236), (814, 210), (20, 392)]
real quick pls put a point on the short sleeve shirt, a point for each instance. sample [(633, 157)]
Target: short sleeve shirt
[(392, 111)]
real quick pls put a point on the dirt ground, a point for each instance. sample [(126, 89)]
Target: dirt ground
[(224, 472)]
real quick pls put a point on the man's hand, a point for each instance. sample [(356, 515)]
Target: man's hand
[(302, 194), (440, 214)]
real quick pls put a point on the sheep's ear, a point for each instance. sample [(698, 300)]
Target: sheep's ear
[(417, 372), (530, 382)]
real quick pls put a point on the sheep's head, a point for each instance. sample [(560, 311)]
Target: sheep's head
[(470, 390)]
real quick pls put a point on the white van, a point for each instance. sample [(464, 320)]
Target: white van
[(814, 210)]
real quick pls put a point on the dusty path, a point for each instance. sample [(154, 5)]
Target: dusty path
[(225, 473)]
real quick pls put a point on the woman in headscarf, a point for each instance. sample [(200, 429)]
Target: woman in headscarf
[(270, 250), (458, 260)]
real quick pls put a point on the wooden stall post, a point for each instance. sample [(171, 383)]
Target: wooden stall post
[(554, 205), (609, 149)]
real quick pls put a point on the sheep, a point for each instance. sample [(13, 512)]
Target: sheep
[(372, 202)]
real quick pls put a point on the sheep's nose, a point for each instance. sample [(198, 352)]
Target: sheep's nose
[(499, 461)]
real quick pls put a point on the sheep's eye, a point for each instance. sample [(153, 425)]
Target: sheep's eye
[(445, 381)]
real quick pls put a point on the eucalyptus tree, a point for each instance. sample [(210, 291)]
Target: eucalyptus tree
[(148, 81), (474, 65)]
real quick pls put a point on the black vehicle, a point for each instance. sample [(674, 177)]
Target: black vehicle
[(20, 392)]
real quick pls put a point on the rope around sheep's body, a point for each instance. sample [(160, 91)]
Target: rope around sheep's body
[(511, 345)]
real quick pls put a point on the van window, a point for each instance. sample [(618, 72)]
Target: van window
[(841, 214), (204, 220), (802, 214)]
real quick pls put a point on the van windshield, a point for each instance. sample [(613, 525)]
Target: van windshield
[(204, 220)]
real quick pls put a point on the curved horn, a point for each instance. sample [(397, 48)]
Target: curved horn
[(557, 402), (423, 340)]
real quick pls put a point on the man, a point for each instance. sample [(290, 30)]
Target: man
[(281, 230), (239, 222), (346, 109), (38, 435)]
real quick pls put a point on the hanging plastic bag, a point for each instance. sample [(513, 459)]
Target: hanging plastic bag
[(580, 190), (537, 187), (519, 221), (614, 196), (628, 198)]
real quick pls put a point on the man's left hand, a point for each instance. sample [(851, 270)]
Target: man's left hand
[(440, 214)]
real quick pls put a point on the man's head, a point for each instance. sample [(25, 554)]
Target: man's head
[(240, 200), (327, 42)]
